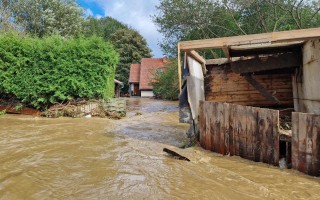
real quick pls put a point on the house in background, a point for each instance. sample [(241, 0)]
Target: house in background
[(134, 80), (142, 75)]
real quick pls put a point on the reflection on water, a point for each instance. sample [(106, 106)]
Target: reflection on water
[(103, 159)]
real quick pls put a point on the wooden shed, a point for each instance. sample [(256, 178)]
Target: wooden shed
[(237, 101)]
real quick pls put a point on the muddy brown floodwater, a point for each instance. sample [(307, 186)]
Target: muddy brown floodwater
[(96, 158)]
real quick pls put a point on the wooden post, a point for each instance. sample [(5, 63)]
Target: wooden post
[(179, 68), (295, 140)]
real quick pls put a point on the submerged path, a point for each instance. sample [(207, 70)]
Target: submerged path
[(97, 158)]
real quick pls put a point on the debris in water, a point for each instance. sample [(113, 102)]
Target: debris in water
[(138, 113), (175, 155), (283, 163)]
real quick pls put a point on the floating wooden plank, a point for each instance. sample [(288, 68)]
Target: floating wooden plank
[(275, 37), (175, 154)]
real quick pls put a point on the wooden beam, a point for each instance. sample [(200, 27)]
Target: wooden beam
[(257, 64), (254, 51), (220, 61), (261, 89), (274, 37), (226, 52), (196, 56)]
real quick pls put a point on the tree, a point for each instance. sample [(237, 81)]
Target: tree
[(6, 12), (47, 17), (103, 27), (132, 47), (187, 20), (166, 84)]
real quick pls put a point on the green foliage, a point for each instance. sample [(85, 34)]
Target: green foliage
[(45, 17), (132, 47), (6, 7), (18, 107), (189, 20), (103, 27), (3, 112), (166, 84), (40, 72)]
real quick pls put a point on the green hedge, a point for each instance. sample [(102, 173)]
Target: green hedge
[(41, 72)]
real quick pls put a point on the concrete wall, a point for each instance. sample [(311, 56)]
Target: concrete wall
[(306, 81), (147, 94), (116, 105)]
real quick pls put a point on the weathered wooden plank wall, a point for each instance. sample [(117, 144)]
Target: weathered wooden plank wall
[(306, 143), (223, 85), (249, 132)]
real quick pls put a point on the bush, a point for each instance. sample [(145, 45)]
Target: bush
[(166, 84), (41, 72)]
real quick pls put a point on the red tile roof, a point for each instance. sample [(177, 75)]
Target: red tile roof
[(134, 73), (147, 71)]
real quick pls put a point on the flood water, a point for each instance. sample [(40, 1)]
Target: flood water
[(97, 158)]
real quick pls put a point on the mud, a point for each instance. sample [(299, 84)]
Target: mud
[(95, 158)]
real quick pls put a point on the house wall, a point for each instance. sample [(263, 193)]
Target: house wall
[(223, 85), (147, 93), (306, 81)]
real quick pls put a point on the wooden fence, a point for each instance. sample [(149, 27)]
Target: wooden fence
[(249, 132), (306, 143)]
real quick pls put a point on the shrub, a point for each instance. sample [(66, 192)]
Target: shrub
[(166, 84), (41, 72)]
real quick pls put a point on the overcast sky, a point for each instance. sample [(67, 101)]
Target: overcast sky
[(135, 13)]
